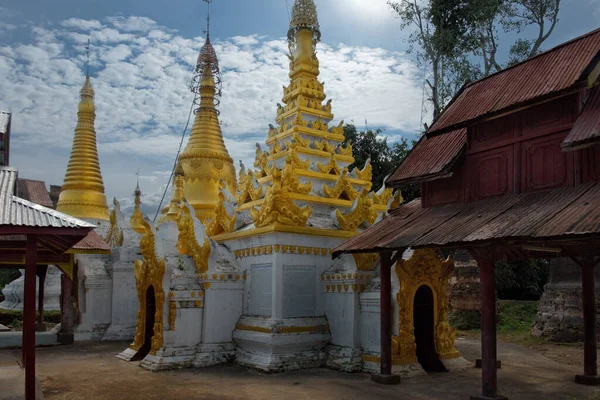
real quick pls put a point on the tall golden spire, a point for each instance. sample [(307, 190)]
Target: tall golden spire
[(137, 219), (82, 194), (205, 160)]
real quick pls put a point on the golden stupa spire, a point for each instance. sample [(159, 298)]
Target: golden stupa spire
[(205, 160), (82, 194), (137, 219), (176, 197)]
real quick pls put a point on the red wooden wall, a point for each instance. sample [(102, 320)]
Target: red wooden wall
[(517, 153)]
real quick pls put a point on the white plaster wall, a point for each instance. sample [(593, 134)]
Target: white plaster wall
[(370, 322), (222, 310), (188, 326), (343, 314), (95, 291)]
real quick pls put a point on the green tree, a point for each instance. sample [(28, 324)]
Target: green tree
[(370, 144), (521, 280), (459, 40)]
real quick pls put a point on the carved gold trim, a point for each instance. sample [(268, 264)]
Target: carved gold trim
[(423, 268), (281, 248), (149, 272), (302, 230)]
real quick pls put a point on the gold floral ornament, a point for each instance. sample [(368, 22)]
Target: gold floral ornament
[(345, 151), (190, 231), (398, 199), (323, 145), (223, 221), (278, 207), (424, 268), (362, 210), (297, 162), (366, 174), (298, 138), (260, 161), (248, 188), (149, 273), (338, 130), (114, 237), (272, 130), (365, 261), (291, 181), (343, 189), (330, 168), (383, 195)]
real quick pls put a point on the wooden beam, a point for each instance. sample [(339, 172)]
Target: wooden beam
[(29, 318), (41, 272), (489, 373), (385, 305), (588, 297)]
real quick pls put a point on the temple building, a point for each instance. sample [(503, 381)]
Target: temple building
[(243, 270), (103, 295)]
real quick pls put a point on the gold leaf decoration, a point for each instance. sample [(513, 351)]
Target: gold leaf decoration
[(343, 189), (362, 210), (278, 207)]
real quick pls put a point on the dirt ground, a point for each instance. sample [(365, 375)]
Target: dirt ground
[(91, 371)]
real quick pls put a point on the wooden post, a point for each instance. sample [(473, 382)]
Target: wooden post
[(385, 305), (67, 311), (29, 317), (590, 357), (489, 372), (41, 271)]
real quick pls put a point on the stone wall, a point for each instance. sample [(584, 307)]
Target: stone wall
[(560, 312)]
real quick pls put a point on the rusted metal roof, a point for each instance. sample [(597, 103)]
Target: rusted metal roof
[(34, 191), (92, 243), (555, 71), (431, 158), (586, 130), (569, 213)]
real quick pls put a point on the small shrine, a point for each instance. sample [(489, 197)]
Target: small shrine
[(239, 268)]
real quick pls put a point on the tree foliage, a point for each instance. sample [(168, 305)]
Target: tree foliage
[(459, 40), (521, 280), (7, 276), (384, 157)]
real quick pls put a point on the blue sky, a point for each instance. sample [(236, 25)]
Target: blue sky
[(142, 54)]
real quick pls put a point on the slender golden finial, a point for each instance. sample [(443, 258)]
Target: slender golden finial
[(137, 219), (207, 32), (87, 62)]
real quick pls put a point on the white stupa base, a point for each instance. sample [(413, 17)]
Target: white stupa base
[(272, 351), (213, 354), (344, 358), (118, 332)]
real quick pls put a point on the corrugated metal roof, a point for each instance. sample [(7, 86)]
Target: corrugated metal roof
[(551, 72), (20, 212), (430, 158), (4, 121), (92, 242), (34, 191), (564, 213), (587, 127)]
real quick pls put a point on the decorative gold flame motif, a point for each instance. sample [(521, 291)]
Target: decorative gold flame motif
[(82, 194)]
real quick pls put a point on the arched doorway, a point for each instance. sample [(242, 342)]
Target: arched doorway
[(423, 313), (149, 325)]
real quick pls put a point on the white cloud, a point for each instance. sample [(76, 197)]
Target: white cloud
[(132, 24), (82, 24), (141, 72)]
